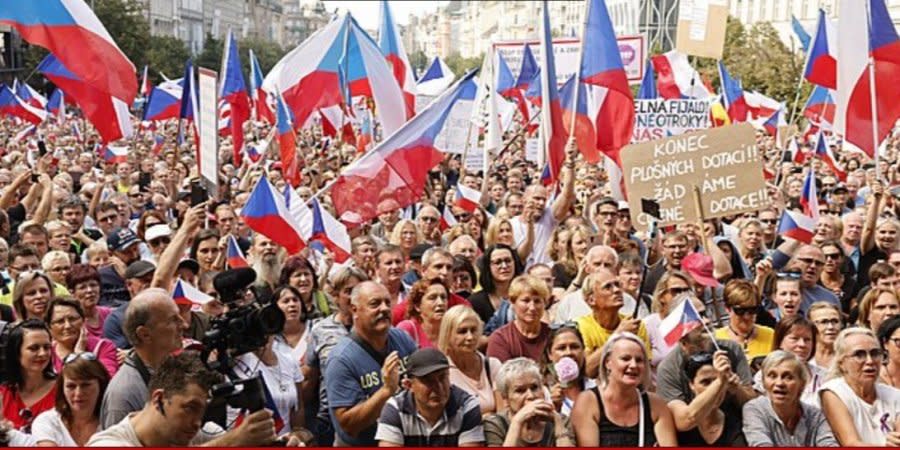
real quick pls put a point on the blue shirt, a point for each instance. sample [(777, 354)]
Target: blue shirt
[(112, 327), (352, 376)]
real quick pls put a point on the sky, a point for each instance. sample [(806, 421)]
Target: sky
[(367, 12)]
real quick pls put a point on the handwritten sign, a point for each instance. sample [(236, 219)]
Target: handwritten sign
[(723, 162), (701, 27), (659, 118)]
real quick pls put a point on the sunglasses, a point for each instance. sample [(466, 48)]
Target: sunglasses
[(559, 326), (72, 357), (745, 310), (701, 358), (676, 291)]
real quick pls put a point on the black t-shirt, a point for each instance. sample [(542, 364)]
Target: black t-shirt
[(481, 303), (866, 261), (16, 214)]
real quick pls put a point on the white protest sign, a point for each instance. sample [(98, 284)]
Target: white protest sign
[(452, 138), (209, 129), (723, 162), (633, 50), (532, 149), (659, 118)]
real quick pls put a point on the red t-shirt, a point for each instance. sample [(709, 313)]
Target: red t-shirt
[(507, 343), (398, 313), (13, 406)]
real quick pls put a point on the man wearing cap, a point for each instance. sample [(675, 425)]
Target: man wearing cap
[(123, 244), (363, 371), (839, 197), (138, 276), (699, 267), (430, 411), (158, 237)]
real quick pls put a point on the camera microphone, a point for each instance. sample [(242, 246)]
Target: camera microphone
[(231, 283)]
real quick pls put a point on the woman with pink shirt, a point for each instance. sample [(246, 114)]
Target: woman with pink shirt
[(426, 305), (83, 281)]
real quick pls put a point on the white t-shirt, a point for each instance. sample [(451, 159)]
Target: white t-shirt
[(810, 394), (872, 422), (543, 230), (122, 435), (48, 426), (280, 380)]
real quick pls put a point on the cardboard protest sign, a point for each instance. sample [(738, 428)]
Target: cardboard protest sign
[(701, 27), (659, 118), (723, 162)]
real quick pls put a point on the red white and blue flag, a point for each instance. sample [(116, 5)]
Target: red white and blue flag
[(189, 102), (801, 225), (330, 232), (71, 31), (233, 90), (365, 133), (772, 123), (393, 174), (164, 101), (266, 213), (467, 198), (553, 131), (863, 39), (234, 257), (821, 65), (823, 152), (392, 47), (340, 60), (109, 115), (606, 122), (186, 294), (683, 319), (732, 96), (158, 142), (448, 220), (820, 107), (287, 143), (647, 90), (57, 105), (437, 78), (506, 85), (528, 69), (11, 104), (676, 78), (29, 95), (114, 154), (145, 84), (261, 109)]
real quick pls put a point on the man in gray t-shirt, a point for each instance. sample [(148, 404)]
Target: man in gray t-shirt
[(729, 360)]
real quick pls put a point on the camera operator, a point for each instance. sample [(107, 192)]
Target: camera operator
[(154, 327), (173, 414), (363, 372)]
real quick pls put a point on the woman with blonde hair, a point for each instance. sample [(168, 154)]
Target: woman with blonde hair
[(406, 235), (577, 243), (500, 231), (470, 370), (60, 235), (621, 398), (877, 306), (860, 410)]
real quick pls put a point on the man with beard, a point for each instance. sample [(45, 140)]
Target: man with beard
[(675, 248), (363, 372), (545, 218), (267, 258)]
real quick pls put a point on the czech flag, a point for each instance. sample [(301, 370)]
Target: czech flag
[(823, 152), (392, 47), (57, 105), (77, 133), (185, 294), (11, 104), (70, 30), (266, 213), (467, 198), (506, 86), (365, 133), (109, 115), (802, 225), (145, 84), (801, 33), (683, 319), (115, 155), (448, 220), (287, 143), (331, 233), (798, 156), (233, 90), (607, 121), (257, 94), (339, 59), (861, 38), (29, 95), (533, 93), (164, 102), (821, 65), (760, 106), (772, 123), (676, 78), (158, 142), (820, 107), (253, 153), (234, 257), (809, 199), (648, 85), (436, 79), (733, 96), (189, 101), (553, 131), (393, 174), (528, 69)]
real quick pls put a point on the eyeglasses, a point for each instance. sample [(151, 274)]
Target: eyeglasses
[(676, 291), (834, 256), (87, 356), (25, 268), (787, 275), (160, 241), (828, 323), (811, 261), (860, 356), (745, 310)]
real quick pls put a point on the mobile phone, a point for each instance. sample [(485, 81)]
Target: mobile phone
[(198, 193), (35, 177), (144, 180), (42, 148)]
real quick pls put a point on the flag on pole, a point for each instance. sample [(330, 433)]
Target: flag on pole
[(233, 90), (801, 33), (257, 94), (186, 294), (234, 257), (821, 66), (733, 96), (683, 319), (648, 85), (553, 132), (287, 143), (823, 152), (266, 213), (392, 47)]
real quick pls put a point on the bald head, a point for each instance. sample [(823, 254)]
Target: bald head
[(367, 290), (535, 199), (600, 257), (143, 309), (602, 289), (464, 246)]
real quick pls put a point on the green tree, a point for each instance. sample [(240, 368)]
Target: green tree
[(419, 62), (267, 53), (460, 65), (166, 55), (211, 56)]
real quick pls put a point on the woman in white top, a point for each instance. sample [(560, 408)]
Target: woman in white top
[(861, 411), (293, 338), (282, 377), (79, 391), (672, 285), (470, 370)]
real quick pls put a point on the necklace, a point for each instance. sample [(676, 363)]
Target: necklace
[(745, 339)]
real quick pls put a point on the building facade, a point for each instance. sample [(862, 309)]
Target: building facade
[(302, 18)]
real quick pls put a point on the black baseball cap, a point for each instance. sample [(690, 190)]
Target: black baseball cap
[(426, 361), (138, 269)]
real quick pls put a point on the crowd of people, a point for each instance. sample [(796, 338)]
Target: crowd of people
[(535, 320)]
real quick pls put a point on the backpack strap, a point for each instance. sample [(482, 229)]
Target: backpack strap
[(487, 370)]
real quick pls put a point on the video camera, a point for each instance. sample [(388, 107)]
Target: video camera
[(245, 327)]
